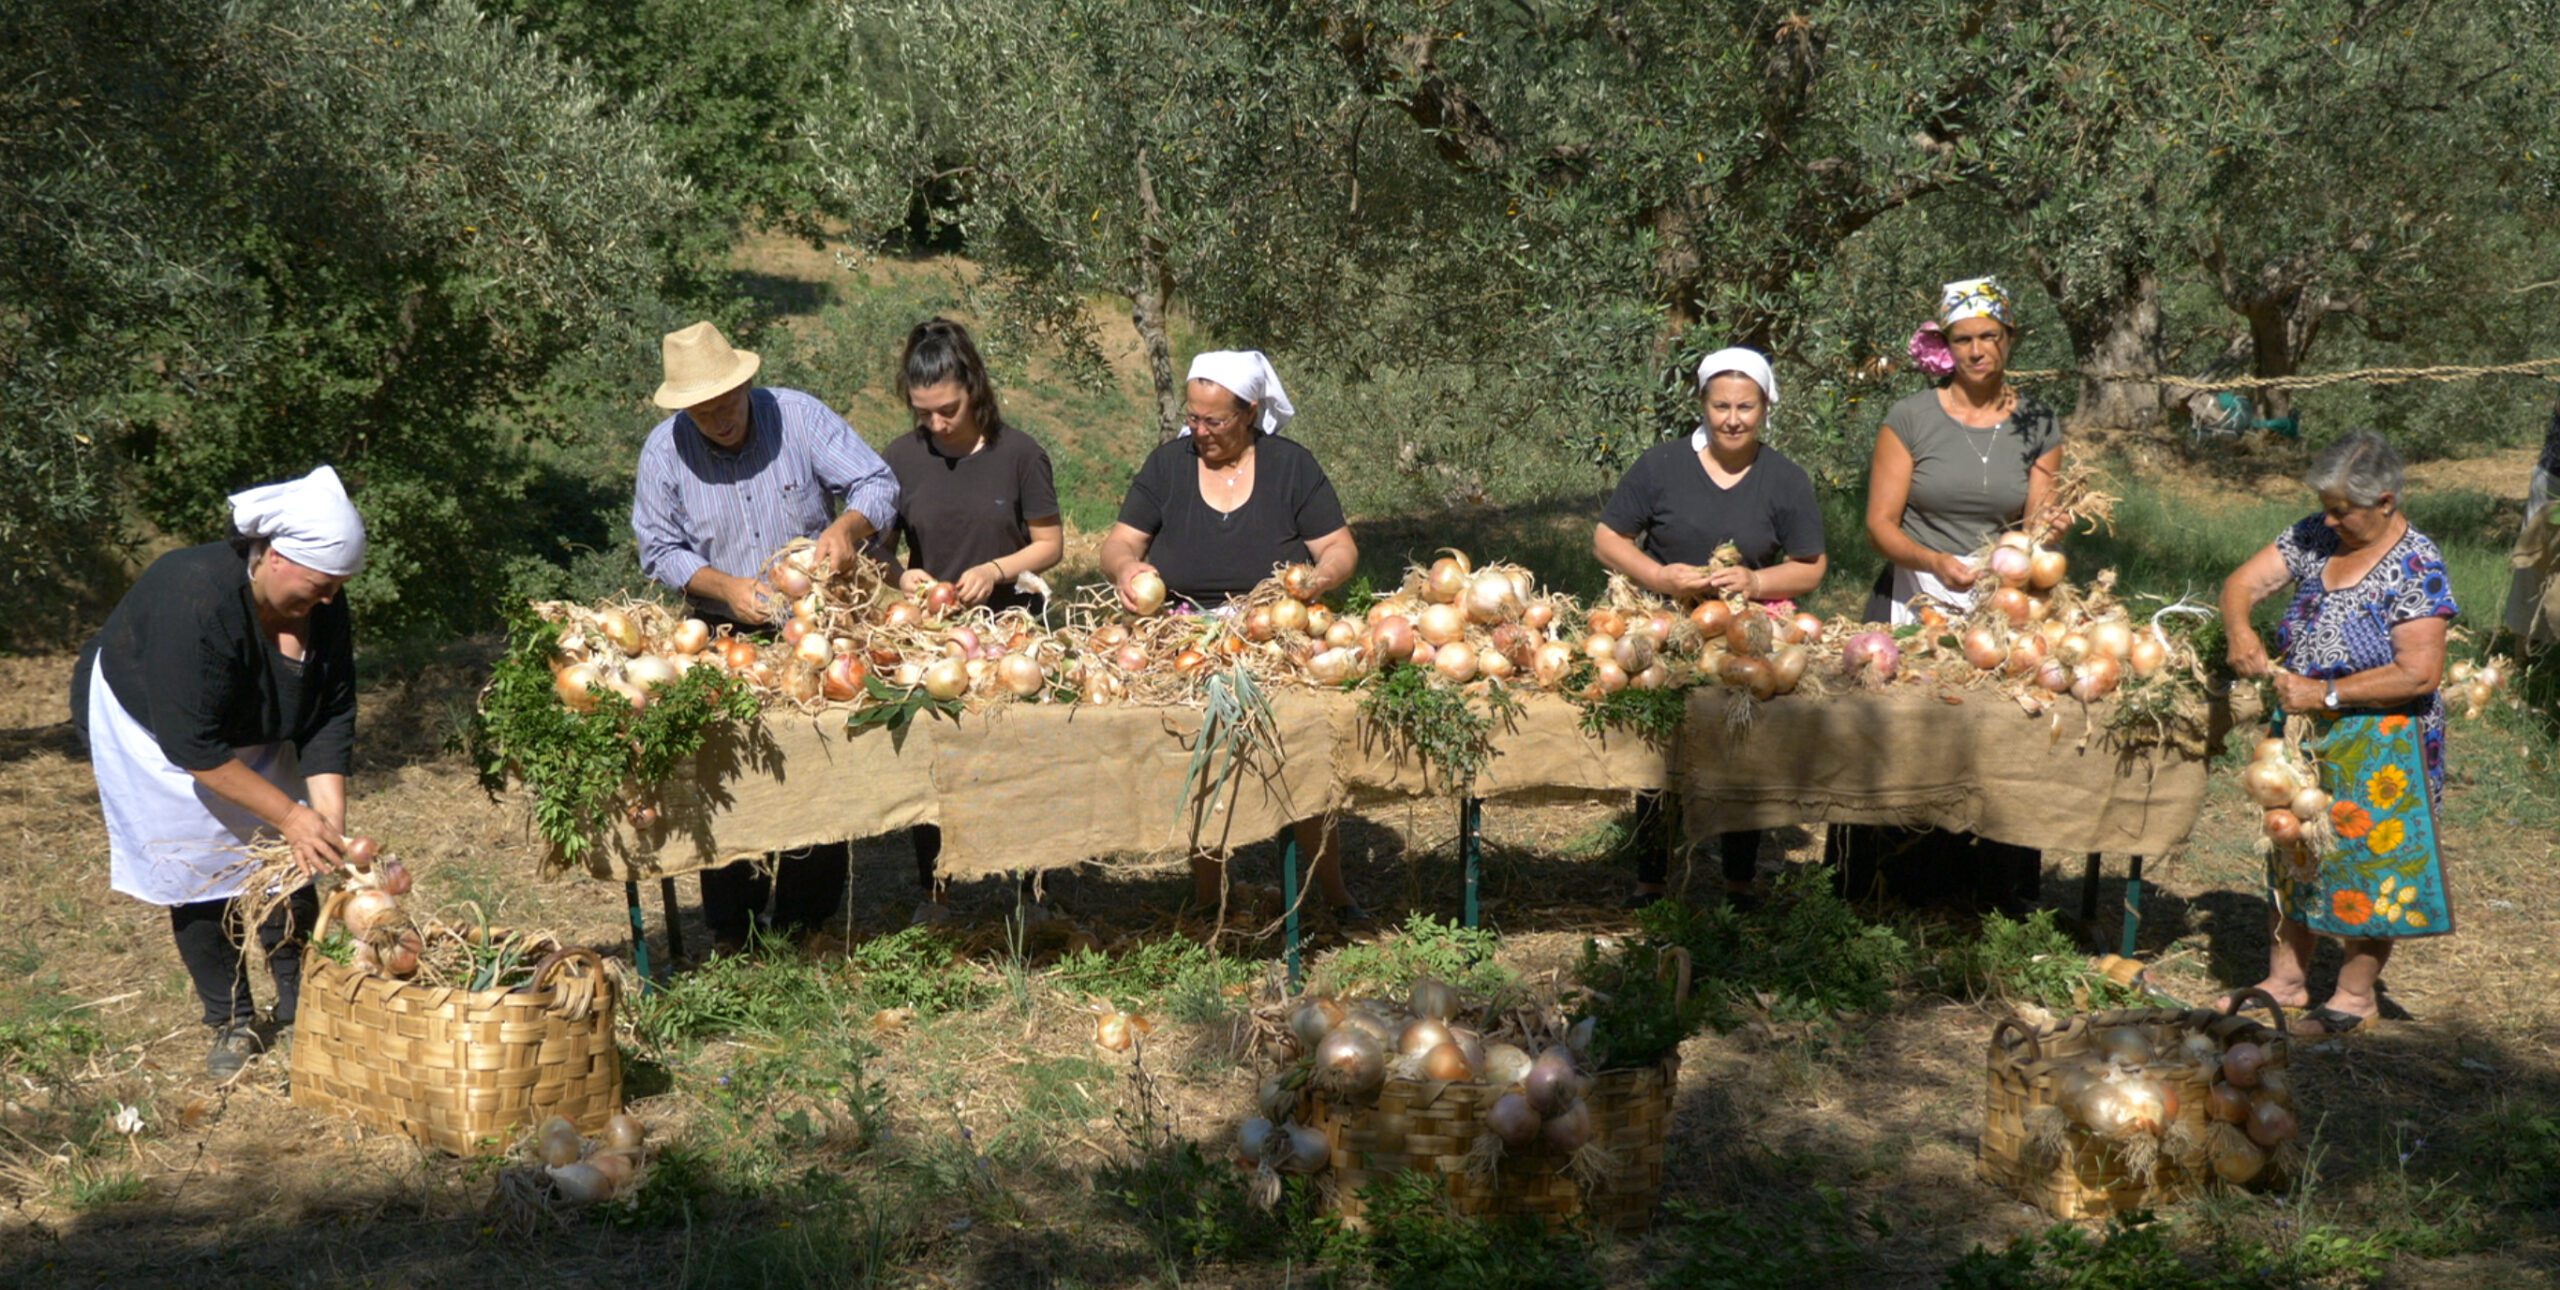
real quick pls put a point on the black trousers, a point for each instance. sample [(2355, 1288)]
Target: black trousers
[(1739, 850), (805, 886), (204, 930), (927, 840)]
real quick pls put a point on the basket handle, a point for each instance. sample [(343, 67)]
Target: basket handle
[(2250, 993), (2035, 1049), (329, 907), (1680, 988), (575, 976)]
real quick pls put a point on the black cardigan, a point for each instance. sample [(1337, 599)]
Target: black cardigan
[(184, 655)]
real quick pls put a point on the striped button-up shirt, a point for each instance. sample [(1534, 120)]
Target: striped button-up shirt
[(696, 505)]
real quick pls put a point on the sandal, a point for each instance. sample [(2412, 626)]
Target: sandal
[(2332, 1021)]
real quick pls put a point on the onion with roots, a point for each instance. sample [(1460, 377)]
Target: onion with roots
[(1446, 581), (1423, 654), (2011, 604), (1447, 1062), (1808, 628), (2227, 1104), (690, 636), (1392, 639), (1299, 580), (2045, 568), (1712, 616), (946, 679), (1788, 667), (2009, 565), (2026, 654), (1341, 633), (1601, 647), (2241, 1063), (1567, 1130), (2097, 678), (813, 650), (1421, 1035), (1313, 1020), (577, 685), (393, 877), (1552, 1083), (2053, 675), (1350, 1062), (2283, 827), (1609, 678), (2113, 638), (1320, 620), (1537, 614), (1333, 666), (1605, 621), (1491, 662), (2309, 804), (1491, 597), (618, 628), (2072, 649), (1871, 657), (1505, 1064), (1634, 652), (1258, 626), (1308, 1151), (1983, 648), (1551, 661), (361, 851), (366, 910), (2269, 783), (2269, 1123), (1020, 675)]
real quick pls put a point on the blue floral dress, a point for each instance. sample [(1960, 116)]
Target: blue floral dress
[(2378, 872)]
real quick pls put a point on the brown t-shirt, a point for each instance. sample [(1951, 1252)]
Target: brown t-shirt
[(958, 512)]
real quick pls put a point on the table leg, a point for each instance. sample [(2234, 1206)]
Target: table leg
[(675, 925), (2132, 905), (2089, 891), (1471, 850), (1289, 902), (639, 933)]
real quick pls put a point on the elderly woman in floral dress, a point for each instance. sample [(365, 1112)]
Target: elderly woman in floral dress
[(2360, 651)]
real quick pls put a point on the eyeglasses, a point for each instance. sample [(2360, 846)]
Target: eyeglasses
[(1195, 423)]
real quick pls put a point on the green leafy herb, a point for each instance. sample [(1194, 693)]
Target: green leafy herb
[(1453, 737), (893, 709), (1652, 715)]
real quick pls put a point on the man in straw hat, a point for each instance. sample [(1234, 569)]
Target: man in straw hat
[(736, 472)]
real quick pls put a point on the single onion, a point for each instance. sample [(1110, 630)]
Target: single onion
[(1428, 997), (1552, 1083), (1447, 1062), (904, 614), (1392, 639), (2270, 1123), (2124, 1045), (1788, 666), (1309, 1151), (581, 1183), (401, 960), (2283, 827), (1446, 581), (1601, 646), (1567, 1130), (1021, 675), (1605, 622), (1253, 1137), (2072, 649), (1514, 641), (2011, 603), (1441, 624), (1423, 655), (842, 681), (1550, 662), (361, 851), (1299, 580), (940, 599), (791, 581), (1130, 657), (1288, 614), (2147, 654), (2026, 654), (2096, 678), (366, 910), (1458, 663), (1146, 592), (616, 1166), (2045, 568), (1258, 626), (1712, 615), (393, 878), (946, 679), (1633, 652), (2227, 1104), (1350, 1062), (558, 1143), (690, 636), (2241, 1063), (2269, 783), (1513, 1120), (2274, 1082), (801, 683), (577, 685), (1658, 676), (2310, 804), (1609, 678), (1505, 1063), (813, 650), (1311, 1022), (908, 675), (1190, 662), (2237, 1160), (1872, 656), (618, 628), (624, 1132), (1537, 614), (2053, 675), (1493, 663), (794, 629), (1491, 598), (1341, 633), (1743, 672), (2009, 564), (1983, 649), (1808, 628), (2113, 638), (1320, 620), (1332, 666)]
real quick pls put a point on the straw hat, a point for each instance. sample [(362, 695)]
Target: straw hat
[(701, 367)]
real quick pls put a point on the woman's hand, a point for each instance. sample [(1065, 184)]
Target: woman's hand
[(976, 583), (1955, 571), (2298, 693), (2248, 653), (914, 580), (1135, 568), (1683, 581), (315, 843), (1735, 581)]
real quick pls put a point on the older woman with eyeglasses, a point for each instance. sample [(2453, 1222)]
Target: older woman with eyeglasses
[(2359, 651), (1212, 512)]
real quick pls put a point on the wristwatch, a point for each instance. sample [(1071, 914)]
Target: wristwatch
[(2330, 696)]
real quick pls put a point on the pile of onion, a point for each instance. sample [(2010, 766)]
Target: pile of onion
[(2286, 790), (588, 1172), (2250, 1113), (2476, 685)]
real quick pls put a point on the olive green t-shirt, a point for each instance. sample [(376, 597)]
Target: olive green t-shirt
[(1967, 484)]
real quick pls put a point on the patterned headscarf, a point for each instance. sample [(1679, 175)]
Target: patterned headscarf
[(1975, 298)]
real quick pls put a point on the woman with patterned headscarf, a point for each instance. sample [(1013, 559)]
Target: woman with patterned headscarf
[(1955, 465), (219, 705)]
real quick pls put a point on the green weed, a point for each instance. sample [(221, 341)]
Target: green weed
[(1182, 974), (1424, 946), (741, 994), (47, 1050), (2031, 960), (1805, 955), (1416, 1240), (90, 1186), (1812, 1242), (915, 967)]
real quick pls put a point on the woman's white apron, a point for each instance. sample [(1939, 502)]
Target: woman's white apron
[(171, 840)]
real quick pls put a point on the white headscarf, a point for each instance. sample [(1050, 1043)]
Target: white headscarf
[(1975, 298), (1247, 374), (1748, 362), (308, 521)]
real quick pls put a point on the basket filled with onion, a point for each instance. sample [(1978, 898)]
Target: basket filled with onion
[(452, 1034), (2115, 1111), (1508, 1111)]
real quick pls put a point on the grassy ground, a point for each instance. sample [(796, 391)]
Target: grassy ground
[(929, 1108)]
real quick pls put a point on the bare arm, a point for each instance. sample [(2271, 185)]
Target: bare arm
[(1787, 580), (2257, 578), (1047, 546), (2415, 671), (1335, 556), (1888, 494), (1124, 552), (2040, 480)]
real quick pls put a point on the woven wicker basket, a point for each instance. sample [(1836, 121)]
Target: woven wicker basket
[(1612, 1185), (458, 1070), (2089, 1176)]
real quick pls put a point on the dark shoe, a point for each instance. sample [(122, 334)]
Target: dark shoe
[(2334, 1022), (279, 1042), (234, 1047)]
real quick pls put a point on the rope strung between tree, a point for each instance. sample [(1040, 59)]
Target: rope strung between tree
[(2313, 381)]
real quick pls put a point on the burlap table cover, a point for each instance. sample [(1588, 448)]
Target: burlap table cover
[(1907, 756), (1038, 787)]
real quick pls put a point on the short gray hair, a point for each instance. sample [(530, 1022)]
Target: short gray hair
[(2361, 466)]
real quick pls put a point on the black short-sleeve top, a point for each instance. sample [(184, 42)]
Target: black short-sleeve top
[(1206, 555), (1670, 506), (956, 513), (182, 652)]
